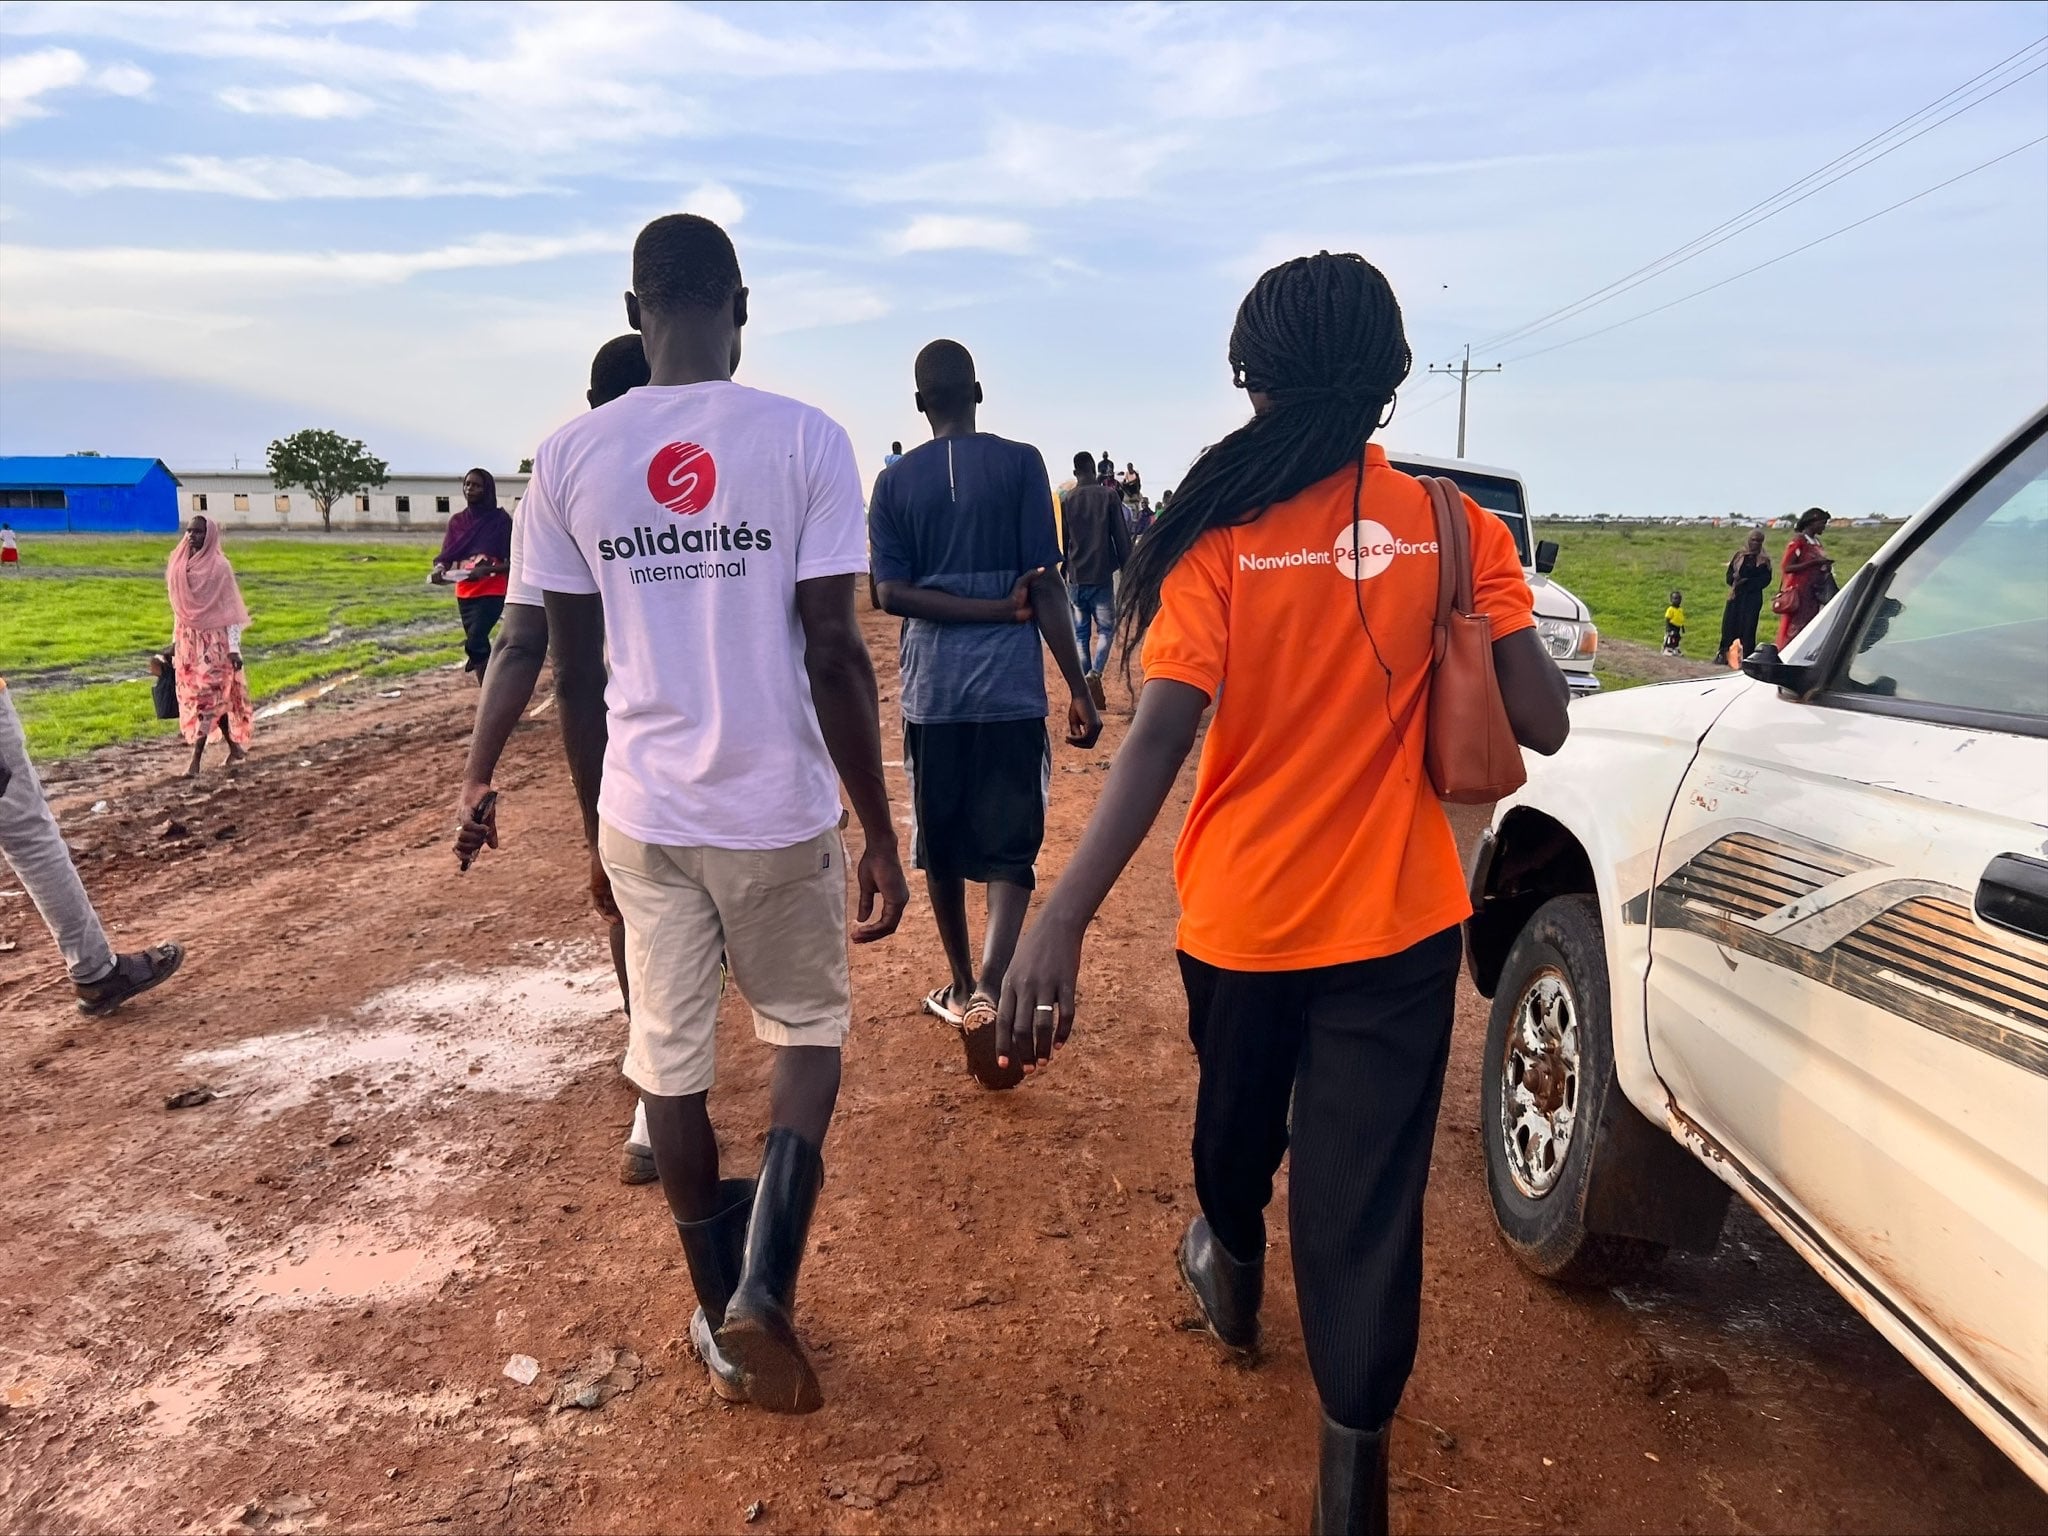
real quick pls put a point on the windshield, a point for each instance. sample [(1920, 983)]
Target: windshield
[(1499, 495)]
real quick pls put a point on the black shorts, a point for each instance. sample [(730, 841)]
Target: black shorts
[(977, 798)]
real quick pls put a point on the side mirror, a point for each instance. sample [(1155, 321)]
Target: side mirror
[(1764, 665), (1546, 557)]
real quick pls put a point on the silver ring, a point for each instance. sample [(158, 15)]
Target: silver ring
[(1043, 1008)]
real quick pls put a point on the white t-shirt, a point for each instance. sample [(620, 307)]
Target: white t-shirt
[(518, 591), (694, 510)]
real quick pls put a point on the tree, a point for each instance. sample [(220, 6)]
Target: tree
[(526, 466), (85, 453), (328, 465)]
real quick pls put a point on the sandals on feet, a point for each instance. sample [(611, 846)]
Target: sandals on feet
[(978, 1034), (131, 976), (936, 1005)]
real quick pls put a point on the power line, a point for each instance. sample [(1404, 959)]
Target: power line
[(1835, 170), (1781, 256)]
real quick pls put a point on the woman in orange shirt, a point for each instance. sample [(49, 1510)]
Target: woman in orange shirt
[(1321, 890)]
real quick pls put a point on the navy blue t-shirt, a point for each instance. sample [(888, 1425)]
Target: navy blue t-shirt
[(968, 516)]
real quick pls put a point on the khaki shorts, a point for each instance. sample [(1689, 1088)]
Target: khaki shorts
[(779, 917)]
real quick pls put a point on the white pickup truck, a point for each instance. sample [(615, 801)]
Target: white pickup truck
[(1785, 933), (1564, 624)]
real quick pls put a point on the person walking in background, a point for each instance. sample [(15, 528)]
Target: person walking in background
[(1321, 889), (1749, 573), (207, 620), (10, 550), (1131, 485), (516, 659), (895, 452), (33, 846), (1808, 577), (1674, 623), (1095, 543), (1105, 470), (706, 537), (962, 543), (476, 554)]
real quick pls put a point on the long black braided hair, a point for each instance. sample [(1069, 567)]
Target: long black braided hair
[(1321, 336)]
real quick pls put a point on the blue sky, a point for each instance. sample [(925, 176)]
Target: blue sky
[(412, 222)]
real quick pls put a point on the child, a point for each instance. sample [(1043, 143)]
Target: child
[(10, 549), (1674, 624)]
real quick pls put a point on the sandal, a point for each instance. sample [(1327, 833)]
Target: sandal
[(936, 1005), (131, 976), (978, 1034)]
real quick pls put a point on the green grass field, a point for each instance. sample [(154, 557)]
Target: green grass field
[(1626, 574), (78, 626), (75, 646)]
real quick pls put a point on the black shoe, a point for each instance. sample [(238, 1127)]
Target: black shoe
[(758, 1336), (131, 976), (715, 1249), (1351, 1482), (1227, 1290)]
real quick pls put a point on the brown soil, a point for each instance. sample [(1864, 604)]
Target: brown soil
[(1649, 664), (291, 1307)]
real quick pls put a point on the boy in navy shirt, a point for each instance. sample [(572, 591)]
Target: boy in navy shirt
[(964, 551)]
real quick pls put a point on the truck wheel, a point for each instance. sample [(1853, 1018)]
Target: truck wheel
[(1548, 1070)]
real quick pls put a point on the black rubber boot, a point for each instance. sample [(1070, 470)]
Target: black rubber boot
[(716, 1250), (1351, 1482), (758, 1336), (1227, 1290)]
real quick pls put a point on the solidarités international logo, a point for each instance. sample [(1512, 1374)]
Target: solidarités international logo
[(683, 478)]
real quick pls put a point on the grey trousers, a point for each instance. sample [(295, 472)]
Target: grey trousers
[(35, 851)]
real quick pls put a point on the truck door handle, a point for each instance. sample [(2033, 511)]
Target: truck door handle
[(2014, 895)]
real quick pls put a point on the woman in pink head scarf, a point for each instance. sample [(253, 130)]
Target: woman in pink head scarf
[(208, 618)]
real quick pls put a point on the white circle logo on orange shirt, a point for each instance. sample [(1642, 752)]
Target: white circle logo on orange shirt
[(1365, 549)]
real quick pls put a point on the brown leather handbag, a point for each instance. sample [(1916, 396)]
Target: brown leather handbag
[(1471, 753)]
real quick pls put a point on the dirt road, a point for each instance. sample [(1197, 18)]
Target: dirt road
[(291, 1307)]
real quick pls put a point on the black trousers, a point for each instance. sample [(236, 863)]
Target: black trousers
[(479, 618), (1360, 1050)]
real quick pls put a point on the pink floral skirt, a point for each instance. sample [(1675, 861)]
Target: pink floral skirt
[(210, 688)]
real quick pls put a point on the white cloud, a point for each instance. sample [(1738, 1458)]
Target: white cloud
[(961, 232), (155, 267), (1035, 164), (265, 178), (715, 201), (124, 80), (313, 101), (26, 76), (805, 301)]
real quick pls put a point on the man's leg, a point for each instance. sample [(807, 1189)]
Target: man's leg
[(948, 895), (1365, 1108), (35, 850), (784, 915), (1007, 904), (673, 940), (1105, 630)]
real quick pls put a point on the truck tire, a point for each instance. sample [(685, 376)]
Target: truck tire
[(1545, 1081)]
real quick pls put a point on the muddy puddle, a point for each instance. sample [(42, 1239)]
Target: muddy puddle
[(525, 1031)]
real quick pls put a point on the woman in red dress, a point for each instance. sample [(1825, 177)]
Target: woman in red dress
[(1809, 577)]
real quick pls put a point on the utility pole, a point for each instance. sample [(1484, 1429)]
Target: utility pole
[(1463, 374)]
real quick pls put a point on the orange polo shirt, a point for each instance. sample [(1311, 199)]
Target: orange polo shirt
[(1314, 838)]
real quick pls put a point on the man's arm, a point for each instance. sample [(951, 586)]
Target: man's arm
[(909, 601), (1054, 610), (576, 622), (508, 687), (849, 716)]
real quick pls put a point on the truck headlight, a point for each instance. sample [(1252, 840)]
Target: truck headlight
[(1567, 639)]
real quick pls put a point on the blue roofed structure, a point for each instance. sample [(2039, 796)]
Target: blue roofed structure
[(87, 495)]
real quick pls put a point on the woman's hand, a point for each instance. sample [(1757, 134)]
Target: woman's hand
[(1036, 1013)]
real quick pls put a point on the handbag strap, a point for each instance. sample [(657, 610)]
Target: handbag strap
[(1453, 558)]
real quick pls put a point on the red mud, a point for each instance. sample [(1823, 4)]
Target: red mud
[(291, 1307)]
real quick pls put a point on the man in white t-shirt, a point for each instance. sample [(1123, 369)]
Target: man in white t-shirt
[(710, 536)]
